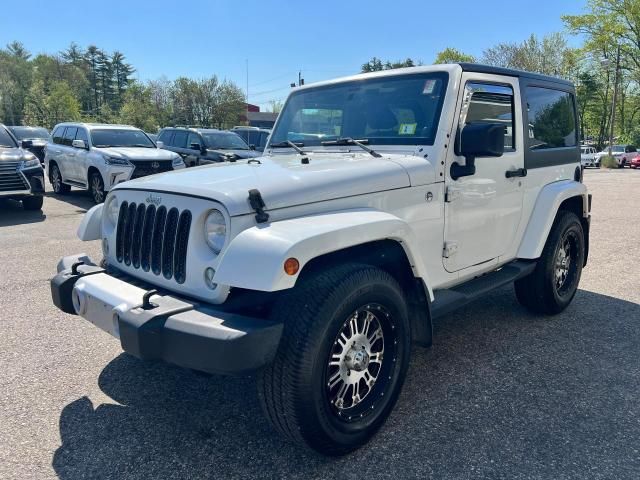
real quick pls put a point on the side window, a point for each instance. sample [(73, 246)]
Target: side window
[(244, 134), (552, 118), (263, 139), (492, 104), (179, 139), (82, 135), (58, 135), (193, 138), (69, 136), (165, 137)]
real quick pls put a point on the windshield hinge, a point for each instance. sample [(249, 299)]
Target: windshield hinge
[(256, 202), (451, 194), (450, 249)]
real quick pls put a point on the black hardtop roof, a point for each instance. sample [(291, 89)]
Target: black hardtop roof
[(479, 68)]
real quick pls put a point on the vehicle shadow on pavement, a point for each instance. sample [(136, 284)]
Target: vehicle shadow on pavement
[(502, 394), (12, 213), (78, 198)]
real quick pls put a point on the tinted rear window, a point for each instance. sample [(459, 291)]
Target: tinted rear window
[(552, 118)]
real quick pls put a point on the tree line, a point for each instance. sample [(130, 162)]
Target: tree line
[(607, 26), (93, 85)]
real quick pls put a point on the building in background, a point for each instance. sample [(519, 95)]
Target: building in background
[(255, 118)]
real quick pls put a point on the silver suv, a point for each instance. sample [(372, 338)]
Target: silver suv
[(98, 157)]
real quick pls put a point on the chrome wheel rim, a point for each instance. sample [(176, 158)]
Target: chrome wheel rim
[(96, 186), (57, 182), (358, 367), (565, 264)]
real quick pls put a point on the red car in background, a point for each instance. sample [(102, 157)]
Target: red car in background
[(634, 162)]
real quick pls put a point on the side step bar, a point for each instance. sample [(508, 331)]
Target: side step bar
[(450, 299)]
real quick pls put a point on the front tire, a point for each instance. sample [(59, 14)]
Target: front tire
[(96, 187), (55, 177), (342, 359), (554, 282), (32, 203)]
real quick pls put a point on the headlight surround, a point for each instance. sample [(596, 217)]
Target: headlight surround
[(113, 210), (215, 230), (30, 161), (177, 161), (116, 161)]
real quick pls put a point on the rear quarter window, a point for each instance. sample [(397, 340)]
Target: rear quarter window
[(552, 118)]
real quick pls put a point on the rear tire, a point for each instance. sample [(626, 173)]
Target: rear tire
[(55, 177), (330, 387), (550, 288), (96, 187), (32, 203)]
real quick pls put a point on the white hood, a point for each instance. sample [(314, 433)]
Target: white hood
[(282, 180)]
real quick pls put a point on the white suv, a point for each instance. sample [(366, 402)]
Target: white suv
[(383, 202), (98, 157)]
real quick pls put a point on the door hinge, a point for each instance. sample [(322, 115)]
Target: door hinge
[(451, 194), (450, 248)]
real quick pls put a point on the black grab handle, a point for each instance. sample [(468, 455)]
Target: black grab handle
[(520, 172)]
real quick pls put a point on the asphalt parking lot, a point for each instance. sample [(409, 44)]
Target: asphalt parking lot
[(501, 394)]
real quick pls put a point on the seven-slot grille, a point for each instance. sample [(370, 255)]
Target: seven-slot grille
[(10, 177), (153, 239)]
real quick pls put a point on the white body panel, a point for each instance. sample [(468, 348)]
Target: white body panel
[(345, 197)]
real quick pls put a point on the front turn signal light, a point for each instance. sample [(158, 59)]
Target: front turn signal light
[(291, 266)]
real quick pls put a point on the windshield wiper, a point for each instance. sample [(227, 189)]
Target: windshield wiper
[(351, 141), (290, 144)]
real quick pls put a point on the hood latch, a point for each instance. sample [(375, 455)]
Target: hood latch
[(256, 202)]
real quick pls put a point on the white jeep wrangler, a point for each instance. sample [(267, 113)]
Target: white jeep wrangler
[(383, 201)]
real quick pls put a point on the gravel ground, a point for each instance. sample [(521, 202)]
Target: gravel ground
[(501, 394)]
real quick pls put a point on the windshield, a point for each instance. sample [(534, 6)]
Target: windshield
[(113, 137), (396, 110), (29, 133), (224, 141), (5, 139), (618, 148)]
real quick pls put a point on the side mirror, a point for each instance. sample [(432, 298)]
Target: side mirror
[(26, 144), (196, 146), (160, 144), (252, 147), (477, 140), (78, 144)]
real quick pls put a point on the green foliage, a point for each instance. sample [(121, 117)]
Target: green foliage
[(453, 55), (376, 65), (95, 86), (608, 162)]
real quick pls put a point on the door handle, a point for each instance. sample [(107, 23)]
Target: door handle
[(520, 172)]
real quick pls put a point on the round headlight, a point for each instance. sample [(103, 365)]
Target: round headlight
[(215, 230), (113, 209)]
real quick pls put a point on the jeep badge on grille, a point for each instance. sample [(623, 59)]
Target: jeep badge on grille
[(155, 165), (153, 199)]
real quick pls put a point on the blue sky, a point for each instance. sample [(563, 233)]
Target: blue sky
[(323, 39)]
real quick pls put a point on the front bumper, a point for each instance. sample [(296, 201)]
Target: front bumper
[(175, 330)]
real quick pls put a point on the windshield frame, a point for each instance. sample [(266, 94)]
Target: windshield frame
[(132, 130), (412, 141), (11, 137)]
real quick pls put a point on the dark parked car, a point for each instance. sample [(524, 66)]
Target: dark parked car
[(38, 136), (21, 174), (200, 146), (253, 136)]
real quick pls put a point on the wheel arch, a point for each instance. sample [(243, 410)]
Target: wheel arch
[(254, 259), (563, 195)]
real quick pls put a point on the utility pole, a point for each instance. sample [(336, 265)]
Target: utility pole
[(247, 101), (615, 98)]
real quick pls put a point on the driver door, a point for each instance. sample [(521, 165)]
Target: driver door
[(483, 210)]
